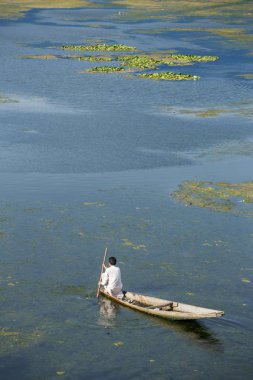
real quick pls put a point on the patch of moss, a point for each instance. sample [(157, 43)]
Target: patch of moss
[(219, 196), (105, 69), (168, 76), (100, 47)]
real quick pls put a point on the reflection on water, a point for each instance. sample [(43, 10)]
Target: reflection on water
[(107, 313), (194, 330)]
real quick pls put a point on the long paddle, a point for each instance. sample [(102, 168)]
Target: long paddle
[(99, 283)]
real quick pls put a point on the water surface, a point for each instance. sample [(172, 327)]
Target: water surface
[(88, 162)]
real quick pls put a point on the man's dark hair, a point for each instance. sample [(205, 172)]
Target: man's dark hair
[(112, 260)]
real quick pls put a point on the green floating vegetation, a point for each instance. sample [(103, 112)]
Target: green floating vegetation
[(153, 61), (207, 113), (245, 280), (96, 204), (134, 246), (143, 62), (95, 58), (4, 99), (193, 58), (243, 109), (168, 76), (9, 333), (100, 47), (118, 344), (220, 196), (46, 56), (105, 69), (246, 76)]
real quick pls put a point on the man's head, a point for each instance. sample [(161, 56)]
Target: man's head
[(112, 260)]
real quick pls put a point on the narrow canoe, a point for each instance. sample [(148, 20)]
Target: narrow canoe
[(163, 308)]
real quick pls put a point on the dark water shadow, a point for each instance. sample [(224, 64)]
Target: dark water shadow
[(193, 329), (13, 367)]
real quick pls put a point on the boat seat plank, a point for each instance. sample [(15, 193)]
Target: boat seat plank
[(170, 304)]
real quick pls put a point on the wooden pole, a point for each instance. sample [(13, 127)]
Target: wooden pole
[(99, 283)]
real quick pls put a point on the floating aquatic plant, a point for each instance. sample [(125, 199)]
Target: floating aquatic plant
[(100, 47), (143, 62), (217, 196), (193, 58), (95, 58), (153, 61), (168, 76), (5, 99), (246, 76), (46, 56), (105, 69), (97, 204), (128, 243)]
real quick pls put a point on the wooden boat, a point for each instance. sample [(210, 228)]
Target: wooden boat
[(163, 308)]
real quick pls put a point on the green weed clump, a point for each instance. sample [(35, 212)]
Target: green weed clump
[(143, 62), (95, 58), (46, 56), (105, 69), (168, 76), (193, 58), (100, 47), (219, 196)]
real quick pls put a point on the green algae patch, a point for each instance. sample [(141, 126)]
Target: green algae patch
[(118, 344), (245, 280), (5, 99), (9, 333), (193, 58), (154, 61), (143, 62), (100, 47), (246, 76), (105, 69), (46, 56), (240, 108), (10, 9), (219, 196), (207, 113), (96, 204), (132, 245), (168, 76), (95, 58), (164, 9)]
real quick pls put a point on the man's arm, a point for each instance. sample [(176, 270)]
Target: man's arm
[(105, 278)]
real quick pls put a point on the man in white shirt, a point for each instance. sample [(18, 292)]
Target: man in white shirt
[(111, 279)]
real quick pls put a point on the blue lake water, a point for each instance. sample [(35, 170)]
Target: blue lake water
[(89, 161)]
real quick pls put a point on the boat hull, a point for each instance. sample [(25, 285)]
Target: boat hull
[(163, 308)]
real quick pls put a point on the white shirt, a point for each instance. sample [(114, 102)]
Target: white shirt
[(111, 279)]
